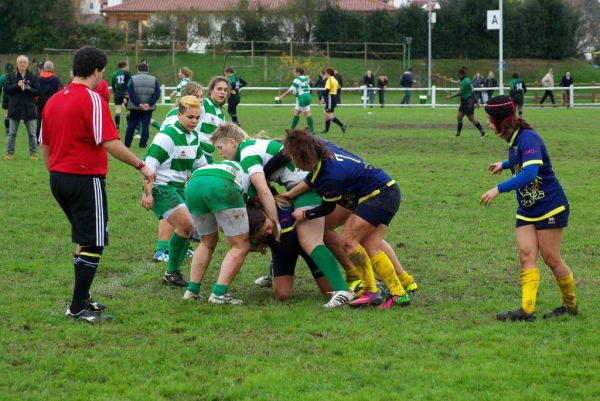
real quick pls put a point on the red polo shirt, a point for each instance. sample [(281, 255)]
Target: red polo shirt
[(75, 123)]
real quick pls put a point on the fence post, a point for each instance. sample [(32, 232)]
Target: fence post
[(214, 55), (252, 51), (535, 94), (162, 93), (173, 53), (571, 96), (327, 51), (137, 44), (266, 68), (365, 55), (364, 97), (593, 91), (291, 49), (433, 96)]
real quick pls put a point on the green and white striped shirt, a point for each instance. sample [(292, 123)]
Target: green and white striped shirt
[(228, 170), (180, 86), (254, 154), (207, 146), (213, 116), (174, 154), (301, 88)]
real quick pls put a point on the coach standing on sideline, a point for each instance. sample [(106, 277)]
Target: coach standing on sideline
[(77, 131), (144, 92)]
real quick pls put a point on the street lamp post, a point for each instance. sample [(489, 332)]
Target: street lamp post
[(408, 40)]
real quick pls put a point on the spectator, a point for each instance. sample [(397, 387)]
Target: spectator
[(369, 82), (76, 134), (406, 81), (144, 91), (103, 91), (7, 69), (49, 85), (517, 92), (235, 86), (478, 83), (320, 83), (119, 81), (382, 83), (340, 82), (490, 82), (548, 82), (23, 87), (566, 82)]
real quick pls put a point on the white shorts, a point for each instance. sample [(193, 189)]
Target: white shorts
[(232, 221), (305, 109), (172, 210)]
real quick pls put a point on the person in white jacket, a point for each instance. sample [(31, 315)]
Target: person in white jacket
[(548, 83)]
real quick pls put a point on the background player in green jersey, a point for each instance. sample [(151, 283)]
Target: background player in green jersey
[(185, 75), (235, 84), (301, 88), (517, 92), (467, 104), (119, 81)]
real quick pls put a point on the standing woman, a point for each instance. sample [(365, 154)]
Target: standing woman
[(174, 154), (213, 115), (543, 210), (301, 88), (332, 87), (236, 84), (337, 175)]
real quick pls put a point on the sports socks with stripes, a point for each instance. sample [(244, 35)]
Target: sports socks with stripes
[(85, 265)]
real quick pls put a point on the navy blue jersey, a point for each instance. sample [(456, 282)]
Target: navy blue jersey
[(286, 220), (345, 175), (544, 196)]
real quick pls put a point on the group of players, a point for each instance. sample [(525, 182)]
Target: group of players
[(325, 187)]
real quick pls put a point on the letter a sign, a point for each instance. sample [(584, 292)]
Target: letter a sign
[(493, 19)]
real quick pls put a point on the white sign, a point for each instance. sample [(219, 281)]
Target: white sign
[(433, 19), (494, 19)]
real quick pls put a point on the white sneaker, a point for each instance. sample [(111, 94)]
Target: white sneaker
[(264, 281), (190, 296), (339, 298), (224, 299), (137, 136)]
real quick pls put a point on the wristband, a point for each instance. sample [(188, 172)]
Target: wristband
[(141, 165)]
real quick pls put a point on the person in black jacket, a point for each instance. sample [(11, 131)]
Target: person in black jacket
[(566, 82), (22, 86), (382, 83), (49, 85), (369, 82), (490, 82)]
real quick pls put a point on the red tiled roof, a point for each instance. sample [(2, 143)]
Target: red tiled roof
[(157, 6)]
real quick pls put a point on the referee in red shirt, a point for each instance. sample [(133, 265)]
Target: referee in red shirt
[(77, 131)]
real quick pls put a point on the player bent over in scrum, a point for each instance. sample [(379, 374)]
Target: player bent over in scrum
[(215, 196), (284, 252)]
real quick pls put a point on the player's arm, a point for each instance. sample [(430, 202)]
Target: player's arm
[(147, 198), (278, 161), (298, 190), (266, 197), (45, 149), (118, 150)]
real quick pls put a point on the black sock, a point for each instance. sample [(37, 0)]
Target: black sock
[(6, 124), (459, 127), (479, 127), (338, 122), (234, 118), (327, 125), (117, 120), (85, 270)]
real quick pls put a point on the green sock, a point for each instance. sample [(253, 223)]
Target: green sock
[(327, 263), (178, 246), (194, 287), (162, 245), (295, 121), (155, 124), (310, 122), (220, 289)]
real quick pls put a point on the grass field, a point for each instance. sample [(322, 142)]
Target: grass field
[(446, 346)]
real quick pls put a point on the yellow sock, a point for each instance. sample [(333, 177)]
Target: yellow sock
[(567, 288), (530, 280), (384, 268), (360, 259), (352, 274), (406, 279)]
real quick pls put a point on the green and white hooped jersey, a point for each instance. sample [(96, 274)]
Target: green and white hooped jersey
[(205, 143), (228, 170), (174, 154), (254, 154), (180, 86), (212, 116), (301, 88)]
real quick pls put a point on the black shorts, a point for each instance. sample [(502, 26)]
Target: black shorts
[(120, 96), (560, 220), (518, 100), (330, 102), (467, 106), (381, 208), (83, 199), (285, 255)]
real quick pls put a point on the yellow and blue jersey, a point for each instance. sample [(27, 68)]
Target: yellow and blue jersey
[(543, 197), (346, 175)]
